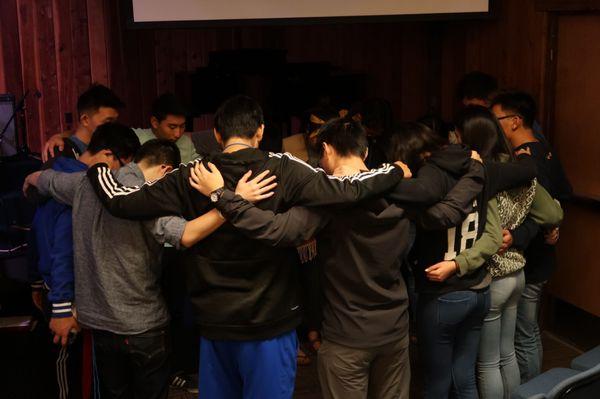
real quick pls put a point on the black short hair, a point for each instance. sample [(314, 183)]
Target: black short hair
[(116, 137), (158, 152), (167, 104), (346, 136), (238, 116), (520, 103), (408, 141), (97, 96), (479, 129), (477, 84)]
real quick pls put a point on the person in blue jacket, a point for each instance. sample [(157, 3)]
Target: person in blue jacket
[(53, 233)]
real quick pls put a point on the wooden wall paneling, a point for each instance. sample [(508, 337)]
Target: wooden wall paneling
[(511, 47), (453, 56), (80, 59), (2, 61), (182, 80), (124, 64), (30, 71), (122, 52), (250, 37), (146, 61), (413, 94), (165, 79), (307, 43), (10, 57), (132, 90), (576, 95), (195, 51), (226, 40), (576, 279), (64, 61), (48, 69), (179, 51), (526, 32), (97, 41), (567, 5), (114, 47), (384, 64), (274, 37), (547, 107), (359, 48), (577, 99), (434, 68), (259, 37)]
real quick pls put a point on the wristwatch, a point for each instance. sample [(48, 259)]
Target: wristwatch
[(217, 194)]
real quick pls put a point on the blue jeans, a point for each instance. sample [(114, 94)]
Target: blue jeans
[(449, 327), (497, 368), (248, 369), (528, 342)]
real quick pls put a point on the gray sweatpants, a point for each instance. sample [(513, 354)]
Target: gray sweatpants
[(381, 372)]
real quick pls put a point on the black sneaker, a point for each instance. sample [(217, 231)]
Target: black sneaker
[(192, 383), (187, 382)]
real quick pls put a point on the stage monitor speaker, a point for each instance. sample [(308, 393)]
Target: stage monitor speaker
[(8, 144)]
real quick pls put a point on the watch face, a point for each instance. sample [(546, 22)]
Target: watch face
[(214, 197)]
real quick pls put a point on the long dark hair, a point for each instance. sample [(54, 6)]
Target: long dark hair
[(479, 129), (408, 141)]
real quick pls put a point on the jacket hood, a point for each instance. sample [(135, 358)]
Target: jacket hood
[(64, 164), (454, 159)]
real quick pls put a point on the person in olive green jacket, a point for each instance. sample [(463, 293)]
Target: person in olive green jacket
[(544, 211)]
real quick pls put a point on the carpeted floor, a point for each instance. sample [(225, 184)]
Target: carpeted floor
[(557, 353)]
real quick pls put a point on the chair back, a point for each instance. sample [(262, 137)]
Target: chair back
[(584, 385)]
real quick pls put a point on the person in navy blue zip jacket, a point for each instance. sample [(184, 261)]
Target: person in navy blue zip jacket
[(53, 233)]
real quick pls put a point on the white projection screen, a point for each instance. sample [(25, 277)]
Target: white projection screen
[(148, 11)]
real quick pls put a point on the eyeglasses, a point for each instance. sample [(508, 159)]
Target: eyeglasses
[(509, 116)]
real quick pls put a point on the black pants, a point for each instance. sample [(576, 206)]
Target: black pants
[(132, 366), (68, 368), (67, 359), (185, 340)]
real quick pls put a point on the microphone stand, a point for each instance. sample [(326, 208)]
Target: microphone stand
[(20, 107)]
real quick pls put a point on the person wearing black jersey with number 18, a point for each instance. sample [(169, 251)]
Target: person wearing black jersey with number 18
[(425, 153), (460, 297)]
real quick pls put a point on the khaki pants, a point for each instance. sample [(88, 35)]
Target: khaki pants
[(382, 372)]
